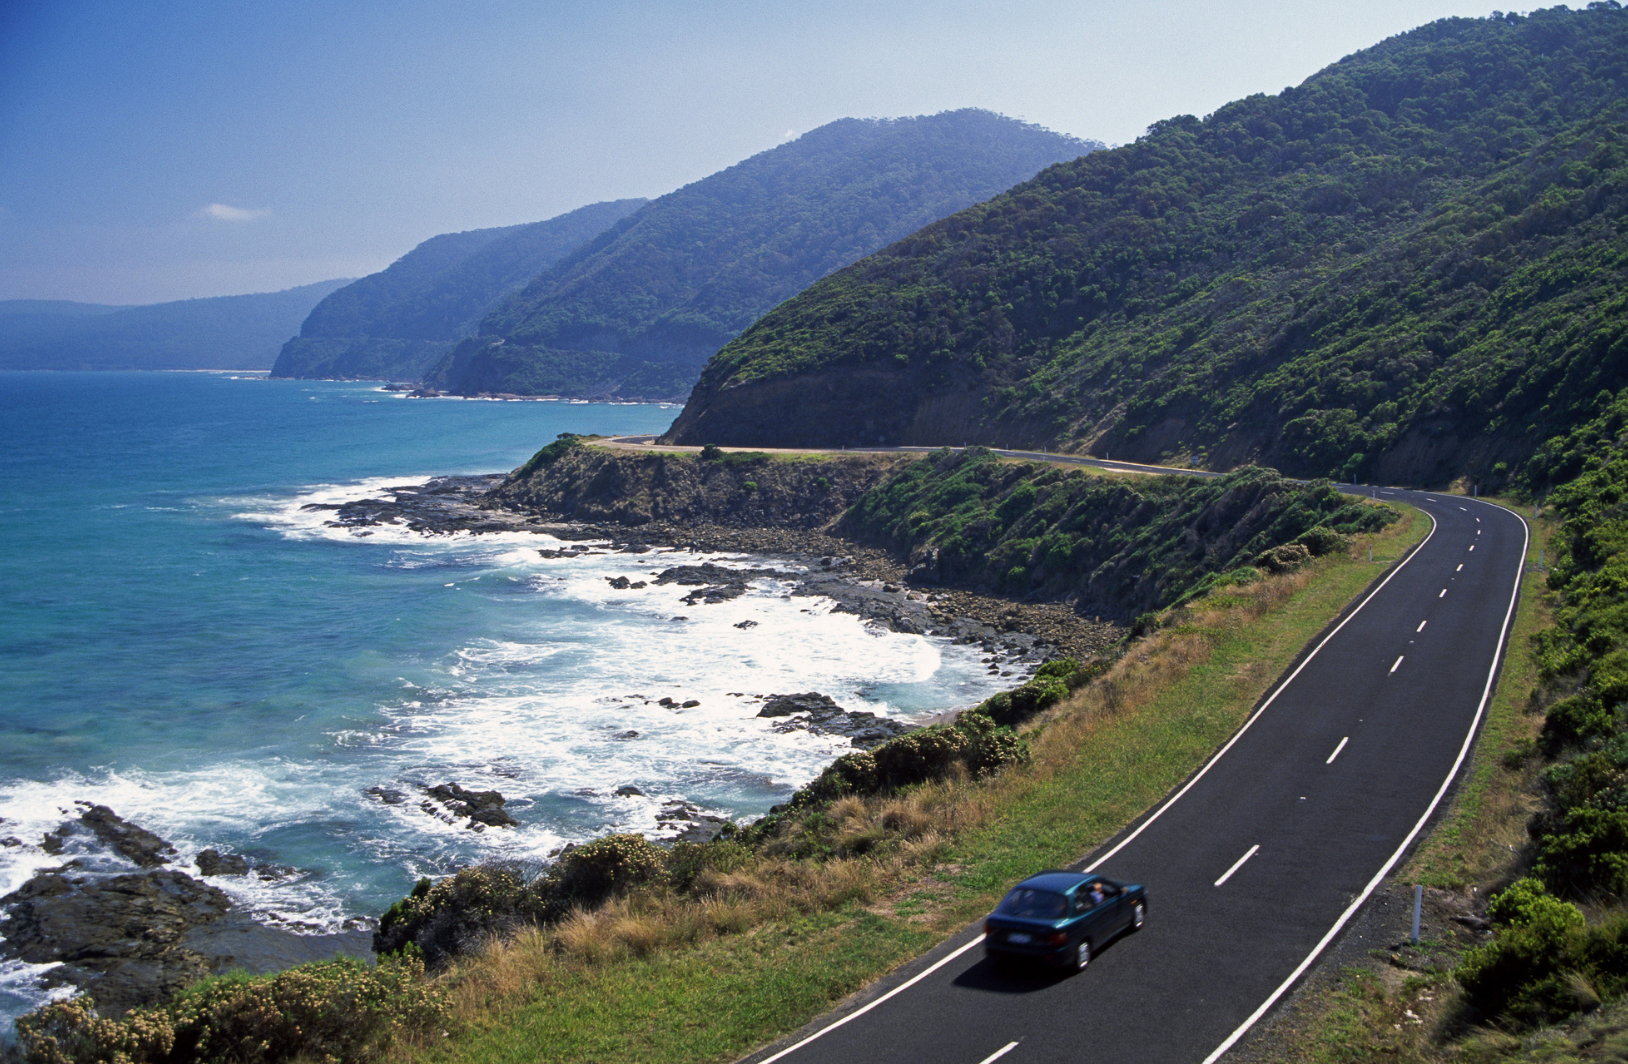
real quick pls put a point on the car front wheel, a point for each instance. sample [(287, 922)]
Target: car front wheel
[(1082, 955), (1139, 916)]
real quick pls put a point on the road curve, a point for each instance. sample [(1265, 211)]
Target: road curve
[(1255, 864)]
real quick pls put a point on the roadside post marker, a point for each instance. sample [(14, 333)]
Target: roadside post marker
[(1418, 903)]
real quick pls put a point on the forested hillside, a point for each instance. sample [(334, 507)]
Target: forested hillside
[(396, 323), (225, 332), (639, 311), (1411, 267)]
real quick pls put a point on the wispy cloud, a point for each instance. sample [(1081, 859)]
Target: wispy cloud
[(790, 133), (221, 212)]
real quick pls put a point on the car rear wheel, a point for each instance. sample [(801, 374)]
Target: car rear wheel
[(1082, 955), (1139, 916)]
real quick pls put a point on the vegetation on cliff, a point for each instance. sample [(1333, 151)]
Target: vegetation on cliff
[(1116, 546), (640, 309), (394, 324), (1409, 267)]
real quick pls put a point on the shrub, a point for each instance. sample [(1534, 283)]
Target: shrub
[(712, 453), (562, 445), (1284, 559), (1321, 540), (332, 1011), (458, 912), (593, 872), (1013, 707)]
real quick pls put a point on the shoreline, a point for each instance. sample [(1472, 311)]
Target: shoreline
[(864, 580), (153, 924)]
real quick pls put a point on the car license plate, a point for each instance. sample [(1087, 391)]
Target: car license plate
[(1017, 936)]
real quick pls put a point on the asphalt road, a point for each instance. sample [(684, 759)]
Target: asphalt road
[(1307, 807)]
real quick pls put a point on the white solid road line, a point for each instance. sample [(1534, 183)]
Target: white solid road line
[(1421, 626), (1398, 663), (999, 1053), (854, 1015), (1337, 750), (1385, 870), (1239, 863), (1273, 697)]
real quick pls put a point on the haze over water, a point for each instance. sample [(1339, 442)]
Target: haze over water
[(181, 641)]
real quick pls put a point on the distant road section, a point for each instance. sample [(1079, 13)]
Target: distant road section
[(1256, 864)]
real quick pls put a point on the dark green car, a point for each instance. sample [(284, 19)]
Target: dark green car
[(1058, 918)]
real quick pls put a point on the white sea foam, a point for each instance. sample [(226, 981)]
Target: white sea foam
[(536, 702)]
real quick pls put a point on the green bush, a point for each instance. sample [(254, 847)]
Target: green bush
[(591, 873), (341, 1010), (712, 453), (974, 743), (550, 454), (1531, 974), (457, 912), (1321, 540)]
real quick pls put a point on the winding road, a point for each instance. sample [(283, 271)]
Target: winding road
[(1256, 863)]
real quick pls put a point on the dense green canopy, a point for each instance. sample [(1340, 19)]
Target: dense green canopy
[(1411, 266), (674, 282), (395, 323)]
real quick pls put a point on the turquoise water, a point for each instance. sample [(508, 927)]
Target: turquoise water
[(180, 640)]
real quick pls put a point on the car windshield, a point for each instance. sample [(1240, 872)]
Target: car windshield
[(1034, 904)]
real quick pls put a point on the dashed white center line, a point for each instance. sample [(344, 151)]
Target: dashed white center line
[(1398, 662), (1443, 593), (1478, 531), (1421, 626), (1337, 750), (1460, 568), (1472, 546), (1239, 863), (1465, 510), (999, 1053)]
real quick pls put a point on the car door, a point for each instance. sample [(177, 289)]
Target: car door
[(1099, 918)]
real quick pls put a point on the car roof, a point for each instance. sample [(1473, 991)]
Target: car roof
[(1061, 882)]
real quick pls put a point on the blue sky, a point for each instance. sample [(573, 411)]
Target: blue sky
[(165, 150)]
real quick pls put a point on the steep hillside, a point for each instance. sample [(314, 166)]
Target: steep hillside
[(1410, 267), (396, 323), (226, 332), (638, 311)]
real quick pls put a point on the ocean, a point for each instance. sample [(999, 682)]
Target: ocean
[(183, 640)]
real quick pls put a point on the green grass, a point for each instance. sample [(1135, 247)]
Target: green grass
[(1486, 820), (712, 1002)]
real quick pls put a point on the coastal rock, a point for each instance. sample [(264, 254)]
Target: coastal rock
[(135, 938), (715, 583), (130, 840), (212, 862), (627, 790), (696, 825), (807, 702), (387, 795), (622, 583), (481, 807), (119, 933), (820, 715)]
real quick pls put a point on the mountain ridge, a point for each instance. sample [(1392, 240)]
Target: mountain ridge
[(396, 323), (645, 303), (1358, 277)]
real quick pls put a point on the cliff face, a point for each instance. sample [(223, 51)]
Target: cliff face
[(1409, 268), (742, 490)]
